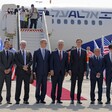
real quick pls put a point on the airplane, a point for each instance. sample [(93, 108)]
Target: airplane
[(70, 23)]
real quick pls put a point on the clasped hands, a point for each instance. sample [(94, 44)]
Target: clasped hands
[(25, 67), (7, 71)]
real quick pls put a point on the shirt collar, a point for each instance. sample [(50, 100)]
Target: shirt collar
[(78, 48), (60, 50), (6, 50)]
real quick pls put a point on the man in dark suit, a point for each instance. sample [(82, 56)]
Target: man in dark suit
[(77, 69), (23, 60), (108, 68), (59, 69), (6, 63), (41, 69), (96, 75)]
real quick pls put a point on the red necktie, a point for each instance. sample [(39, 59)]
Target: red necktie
[(60, 56), (79, 52)]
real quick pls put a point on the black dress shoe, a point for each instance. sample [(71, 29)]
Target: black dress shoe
[(37, 102), (43, 102), (100, 102), (26, 102), (72, 102), (92, 102), (8, 102), (108, 102), (79, 102), (59, 102), (17, 102), (53, 102)]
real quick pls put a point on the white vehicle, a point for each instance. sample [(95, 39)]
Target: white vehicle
[(70, 23)]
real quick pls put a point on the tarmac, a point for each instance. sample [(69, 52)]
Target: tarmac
[(48, 107)]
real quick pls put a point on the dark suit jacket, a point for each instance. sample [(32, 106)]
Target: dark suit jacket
[(108, 65), (57, 65), (78, 64), (4, 64), (40, 65), (20, 62), (96, 66)]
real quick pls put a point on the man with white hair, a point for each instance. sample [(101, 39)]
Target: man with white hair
[(23, 60), (58, 69), (41, 69), (96, 65)]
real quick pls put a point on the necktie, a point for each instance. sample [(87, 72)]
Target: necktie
[(7, 54), (97, 58), (79, 52), (43, 53), (60, 56)]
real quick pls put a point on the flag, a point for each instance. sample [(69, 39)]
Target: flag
[(105, 44), (13, 73), (1, 44), (95, 45)]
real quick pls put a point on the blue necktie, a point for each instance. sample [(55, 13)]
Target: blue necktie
[(43, 53)]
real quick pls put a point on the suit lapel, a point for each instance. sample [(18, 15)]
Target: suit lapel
[(41, 54), (4, 57), (109, 58), (58, 55), (21, 56), (45, 54)]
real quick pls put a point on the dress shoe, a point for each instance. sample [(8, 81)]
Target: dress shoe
[(26, 102), (43, 102), (17, 102), (8, 102), (108, 102), (53, 102), (37, 102), (72, 102), (79, 102), (92, 102), (59, 101), (100, 102)]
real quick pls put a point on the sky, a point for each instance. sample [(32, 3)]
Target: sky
[(61, 3)]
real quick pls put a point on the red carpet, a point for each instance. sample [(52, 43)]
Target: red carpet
[(65, 92)]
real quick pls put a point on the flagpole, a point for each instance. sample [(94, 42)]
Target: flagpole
[(102, 40)]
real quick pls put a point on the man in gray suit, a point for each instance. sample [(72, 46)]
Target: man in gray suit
[(6, 63)]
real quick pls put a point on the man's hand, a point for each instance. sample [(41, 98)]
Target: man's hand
[(52, 72), (85, 73), (7, 71), (70, 72), (98, 75), (49, 74), (25, 67), (66, 74)]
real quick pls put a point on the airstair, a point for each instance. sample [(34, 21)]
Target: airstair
[(11, 28)]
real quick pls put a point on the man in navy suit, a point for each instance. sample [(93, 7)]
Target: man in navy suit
[(58, 69), (108, 68), (6, 64), (77, 69), (23, 60), (96, 75), (41, 69)]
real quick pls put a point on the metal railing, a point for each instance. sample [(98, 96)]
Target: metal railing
[(45, 30)]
